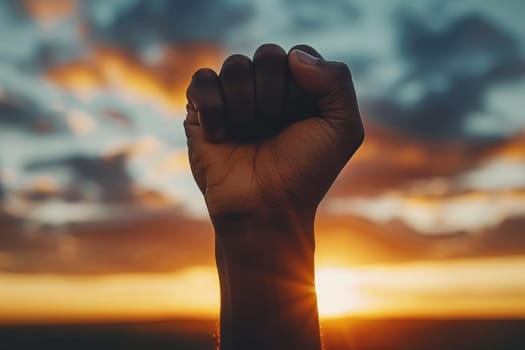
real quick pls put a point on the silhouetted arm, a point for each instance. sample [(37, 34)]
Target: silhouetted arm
[(266, 270), (266, 139)]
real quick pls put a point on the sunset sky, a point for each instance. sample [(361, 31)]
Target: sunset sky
[(100, 218)]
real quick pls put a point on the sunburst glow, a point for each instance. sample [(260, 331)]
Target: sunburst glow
[(336, 292)]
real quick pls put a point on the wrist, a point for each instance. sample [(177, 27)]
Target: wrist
[(279, 244)]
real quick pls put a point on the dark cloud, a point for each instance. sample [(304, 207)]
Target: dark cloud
[(171, 21), (172, 242), (504, 239), (455, 46), (392, 160), (22, 114), (359, 241), (103, 178), (355, 241), (14, 8), (109, 174), (304, 14), (157, 244), (452, 68)]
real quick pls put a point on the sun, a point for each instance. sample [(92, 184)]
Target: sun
[(336, 292)]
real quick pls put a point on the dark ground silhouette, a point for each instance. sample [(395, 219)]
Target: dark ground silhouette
[(353, 334)]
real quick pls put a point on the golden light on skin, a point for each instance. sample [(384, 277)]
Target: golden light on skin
[(478, 288)]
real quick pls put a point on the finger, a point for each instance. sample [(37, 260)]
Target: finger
[(330, 83), (271, 80), (205, 102), (299, 104), (197, 142), (237, 85)]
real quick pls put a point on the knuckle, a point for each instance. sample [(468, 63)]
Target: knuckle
[(201, 79), (268, 50), (203, 74), (236, 70), (236, 60)]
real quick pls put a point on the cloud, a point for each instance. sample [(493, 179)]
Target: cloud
[(450, 71), (304, 15), (158, 243), (41, 188), (170, 242), (434, 186), (402, 164), (140, 24), (21, 113), (497, 174), (504, 239), (350, 240), (161, 83), (108, 174), (468, 212), (176, 162), (49, 11), (90, 188), (165, 241), (394, 161), (512, 149)]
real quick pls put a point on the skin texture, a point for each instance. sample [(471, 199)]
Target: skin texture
[(267, 137)]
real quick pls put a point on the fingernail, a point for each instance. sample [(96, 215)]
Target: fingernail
[(305, 57)]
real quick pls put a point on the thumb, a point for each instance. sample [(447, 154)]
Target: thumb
[(330, 83)]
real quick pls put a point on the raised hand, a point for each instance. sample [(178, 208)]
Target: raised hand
[(266, 139), (255, 144)]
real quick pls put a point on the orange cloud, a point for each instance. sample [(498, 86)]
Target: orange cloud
[(173, 163), (513, 149), (169, 242), (161, 83), (49, 11), (391, 161), (80, 123)]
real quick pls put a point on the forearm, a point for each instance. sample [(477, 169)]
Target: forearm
[(266, 270)]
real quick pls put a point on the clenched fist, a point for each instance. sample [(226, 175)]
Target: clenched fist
[(271, 133)]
